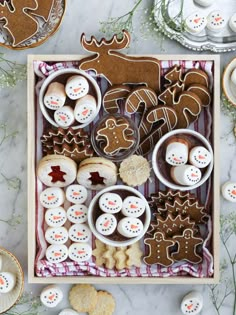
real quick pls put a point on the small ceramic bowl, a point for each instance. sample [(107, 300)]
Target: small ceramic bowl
[(162, 168), (62, 76), (116, 239), (229, 88), (11, 264)]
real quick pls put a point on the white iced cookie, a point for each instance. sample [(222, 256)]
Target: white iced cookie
[(85, 109), (204, 3), (51, 296), (56, 253), (79, 233), (195, 23), (176, 153), (110, 203), (52, 197), (200, 157), (80, 252), (64, 116), (55, 217), (106, 224), (56, 235), (130, 227), (7, 282), (133, 207), (186, 175), (216, 21), (68, 311), (229, 191), (76, 87), (232, 23), (233, 76), (77, 214), (55, 96), (76, 194), (192, 303)]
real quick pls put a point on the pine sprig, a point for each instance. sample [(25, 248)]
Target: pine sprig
[(27, 305), (11, 72)]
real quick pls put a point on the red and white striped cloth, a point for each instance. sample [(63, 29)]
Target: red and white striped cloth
[(43, 268)]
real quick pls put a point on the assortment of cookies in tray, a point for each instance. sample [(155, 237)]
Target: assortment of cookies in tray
[(124, 163)]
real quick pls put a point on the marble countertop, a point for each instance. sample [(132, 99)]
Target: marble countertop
[(84, 16)]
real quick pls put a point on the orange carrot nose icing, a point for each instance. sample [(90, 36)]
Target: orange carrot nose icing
[(80, 234), (57, 254), (58, 236), (189, 306), (85, 112), (77, 90), (218, 19), (134, 226), (51, 197), (56, 217), (53, 103), (111, 203), (177, 160), (201, 157), (77, 213), (81, 252), (62, 117), (51, 297), (106, 223), (233, 192), (132, 206), (2, 281), (197, 20), (194, 175), (76, 193)]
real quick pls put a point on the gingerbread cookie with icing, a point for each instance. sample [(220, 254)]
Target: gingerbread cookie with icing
[(44, 9), (114, 96)]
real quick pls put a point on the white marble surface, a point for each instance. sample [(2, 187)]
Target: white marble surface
[(84, 16)]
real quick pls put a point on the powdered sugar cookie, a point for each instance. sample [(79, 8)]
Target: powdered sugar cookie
[(56, 235), (83, 297), (64, 116), (195, 22), (200, 157), (110, 203), (79, 233), (80, 252), (52, 197), (76, 194), (51, 296), (85, 109), (133, 207), (7, 282), (55, 217), (76, 87), (105, 304), (186, 174), (177, 152), (232, 23), (106, 224), (229, 191), (77, 213), (204, 3), (192, 303), (55, 96), (56, 253), (130, 227), (216, 21)]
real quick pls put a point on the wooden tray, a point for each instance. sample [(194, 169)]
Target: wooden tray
[(32, 146)]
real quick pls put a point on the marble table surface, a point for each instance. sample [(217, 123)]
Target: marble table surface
[(84, 16)]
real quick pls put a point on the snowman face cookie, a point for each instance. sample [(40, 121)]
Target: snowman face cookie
[(229, 191), (76, 194), (68, 311), (192, 303), (216, 21), (55, 96), (51, 296), (176, 153), (76, 87), (80, 252), (195, 23), (56, 253), (130, 227), (79, 233), (106, 224), (110, 203), (58, 235), (7, 282), (77, 214), (232, 25), (64, 116), (55, 217), (52, 197), (85, 109), (200, 157), (186, 175), (133, 207)]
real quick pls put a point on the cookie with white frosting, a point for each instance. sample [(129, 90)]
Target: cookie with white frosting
[(106, 224), (133, 207), (80, 233), (56, 253), (110, 203), (55, 217), (56, 235), (77, 213), (80, 252), (64, 116), (130, 227), (7, 282), (51, 296), (77, 194), (52, 197), (76, 87)]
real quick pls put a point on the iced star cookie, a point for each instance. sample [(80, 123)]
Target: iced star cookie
[(55, 96), (80, 252), (200, 157), (76, 194), (52, 197), (204, 3), (192, 303), (216, 21), (133, 207), (7, 282), (232, 23), (130, 227), (186, 175), (106, 224), (51, 296), (85, 109), (195, 23), (55, 217), (177, 152), (56, 235), (57, 253), (64, 116), (80, 233), (76, 87), (77, 214), (229, 191), (110, 203)]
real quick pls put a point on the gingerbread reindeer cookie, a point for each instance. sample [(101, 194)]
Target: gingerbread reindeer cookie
[(44, 9)]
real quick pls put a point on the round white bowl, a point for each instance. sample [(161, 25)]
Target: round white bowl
[(105, 239), (157, 170), (11, 264), (229, 88), (72, 71)]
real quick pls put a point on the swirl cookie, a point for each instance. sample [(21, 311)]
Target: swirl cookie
[(55, 217), (110, 203), (106, 224), (76, 87), (79, 233), (77, 213), (52, 197), (51, 296), (56, 253), (55, 96), (56, 235), (80, 252)]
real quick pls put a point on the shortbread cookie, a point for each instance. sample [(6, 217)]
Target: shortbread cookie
[(83, 297), (77, 213), (98, 252), (7, 282), (51, 296), (195, 23), (200, 157), (64, 116), (80, 233), (216, 21), (105, 304), (106, 224), (229, 191), (110, 203), (52, 197), (177, 152), (120, 257), (134, 255), (80, 252), (192, 303), (133, 207), (56, 235), (186, 175), (108, 255), (85, 109), (55, 96), (55, 217), (76, 194), (113, 96), (130, 227), (76, 87), (56, 253)]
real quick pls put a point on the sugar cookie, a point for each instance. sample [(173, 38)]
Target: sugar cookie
[(216, 21), (56, 235), (56, 253), (76, 194), (106, 224), (110, 203), (105, 304), (200, 157), (64, 116), (55, 96), (77, 213), (133, 207), (229, 191), (192, 303), (76, 87), (85, 109), (55, 217), (52, 197), (177, 152), (130, 227), (186, 174), (83, 297), (7, 282), (80, 252), (79, 233), (51, 296), (195, 23)]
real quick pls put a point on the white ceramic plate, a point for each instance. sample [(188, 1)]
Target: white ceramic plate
[(228, 87)]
